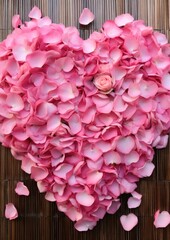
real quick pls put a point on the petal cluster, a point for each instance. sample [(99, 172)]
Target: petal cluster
[(83, 116)]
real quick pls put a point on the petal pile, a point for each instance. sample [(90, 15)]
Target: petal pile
[(84, 116)]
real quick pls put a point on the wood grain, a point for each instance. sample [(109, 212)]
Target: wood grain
[(39, 219)]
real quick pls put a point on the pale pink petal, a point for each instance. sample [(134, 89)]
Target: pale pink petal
[(147, 169), (161, 38), (166, 81), (12, 67), (92, 152), (75, 123), (111, 29), (115, 54), (114, 207), (86, 17), (84, 225), (94, 177), (53, 122), (7, 126), (38, 173), (14, 102), (89, 45), (148, 89), (123, 19), (128, 222), (132, 157), (65, 91), (161, 220), (11, 211), (133, 202), (50, 197), (112, 157), (74, 214), (36, 59), (16, 21), (21, 189), (131, 44), (85, 199), (125, 144), (20, 52), (62, 170), (35, 13)]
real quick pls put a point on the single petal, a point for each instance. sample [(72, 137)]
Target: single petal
[(35, 13), (11, 211), (133, 202), (86, 17), (36, 59), (16, 21), (21, 189), (38, 173), (125, 144), (75, 123), (161, 220), (94, 177), (111, 29), (166, 81), (85, 199), (128, 222), (123, 19), (14, 102), (89, 46)]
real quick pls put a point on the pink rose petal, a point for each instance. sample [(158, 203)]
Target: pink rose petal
[(86, 17), (128, 222), (21, 189), (11, 211), (85, 199), (38, 173), (111, 29), (125, 144), (89, 46), (123, 19), (35, 13), (161, 220), (133, 202), (16, 21), (36, 59), (15, 102)]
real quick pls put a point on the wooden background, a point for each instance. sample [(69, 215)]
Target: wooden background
[(39, 219)]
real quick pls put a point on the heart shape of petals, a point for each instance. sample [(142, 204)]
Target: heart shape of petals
[(84, 116)]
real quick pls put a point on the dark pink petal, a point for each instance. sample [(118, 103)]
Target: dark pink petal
[(21, 189), (86, 17), (16, 21), (128, 222), (111, 29), (11, 211), (85, 199), (38, 173), (35, 13), (37, 59), (161, 220), (123, 19)]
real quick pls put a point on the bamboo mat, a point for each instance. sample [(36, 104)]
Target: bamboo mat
[(39, 219)]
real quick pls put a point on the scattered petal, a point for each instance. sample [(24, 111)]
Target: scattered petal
[(11, 211), (21, 189), (86, 17), (128, 222)]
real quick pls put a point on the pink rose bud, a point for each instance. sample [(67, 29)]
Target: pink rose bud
[(104, 82)]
